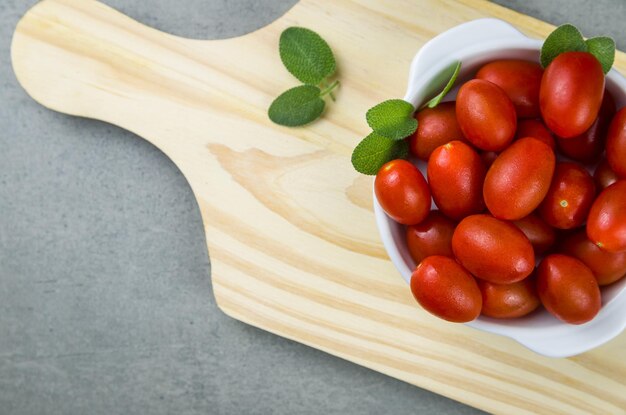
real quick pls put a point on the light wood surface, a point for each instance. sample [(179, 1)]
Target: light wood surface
[(289, 225)]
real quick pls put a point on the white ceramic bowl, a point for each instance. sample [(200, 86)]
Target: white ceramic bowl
[(474, 44)]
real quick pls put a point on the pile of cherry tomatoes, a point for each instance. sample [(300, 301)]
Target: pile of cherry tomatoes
[(516, 226)]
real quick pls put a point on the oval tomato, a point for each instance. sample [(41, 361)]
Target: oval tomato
[(520, 80), (588, 146), (493, 250), (432, 236), (446, 290), (571, 93), (519, 179), (486, 115), (455, 174), (568, 289), (606, 223), (607, 267), (535, 129), (435, 127), (569, 198), (604, 175), (509, 300), (402, 192), (616, 144), (539, 233)]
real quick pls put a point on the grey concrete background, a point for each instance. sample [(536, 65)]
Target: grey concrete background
[(105, 296)]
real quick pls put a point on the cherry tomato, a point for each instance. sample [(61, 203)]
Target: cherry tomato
[(568, 289), (616, 144), (520, 80), (486, 115), (492, 249), (402, 192), (435, 127), (606, 223), (569, 198), (571, 93), (518, 180), (488, 157), (536, 129), (432, 236), (446, 290), (509, 300), (607, 267), (588, 146), (455, 174), (539, 233), (604, 176)]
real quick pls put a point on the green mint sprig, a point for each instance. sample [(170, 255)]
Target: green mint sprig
[(309, 58), (567, 38), (392, 122)]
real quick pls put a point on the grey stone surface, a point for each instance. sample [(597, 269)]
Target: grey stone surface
[(105, 297)]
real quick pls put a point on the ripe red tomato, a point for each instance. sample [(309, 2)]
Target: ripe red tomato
[(616, 144), (509, 300), (455, 174), (568, 289), (571, 93), (488, 157), (492, 249), (432, 236), (604, 176), (536, 129), (539, 233), (569, 198), (520, 80), (607, 267), (518, 179), (402, 192), (606, 223), (435, 127), (486, 115), (588, 146), (446, 290)]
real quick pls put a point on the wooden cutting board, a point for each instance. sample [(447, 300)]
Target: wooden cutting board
[(289, 224)]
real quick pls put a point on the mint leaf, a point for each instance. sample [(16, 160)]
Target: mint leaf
[(436, 100), (392, 119), (603, 48), (375, 150), (565, 38), (306, 55), (297, 106)]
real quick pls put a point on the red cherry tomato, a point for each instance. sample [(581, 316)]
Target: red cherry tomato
[(588, 146), (616, 144), (607, 267), (571, 93), (519, 179), (493, 250), (604, 176), (435, 127), (520, 80), (446, 290), (569, 198), (606, 223), (539, 233), (535, 129), (568, 289), (509, 300), (486, 115), (432, 236), (402, 192), (455, 175)]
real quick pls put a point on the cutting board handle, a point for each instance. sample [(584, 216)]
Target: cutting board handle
[(437, 58)]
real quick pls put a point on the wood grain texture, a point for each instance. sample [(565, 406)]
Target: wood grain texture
[(289, 225)]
